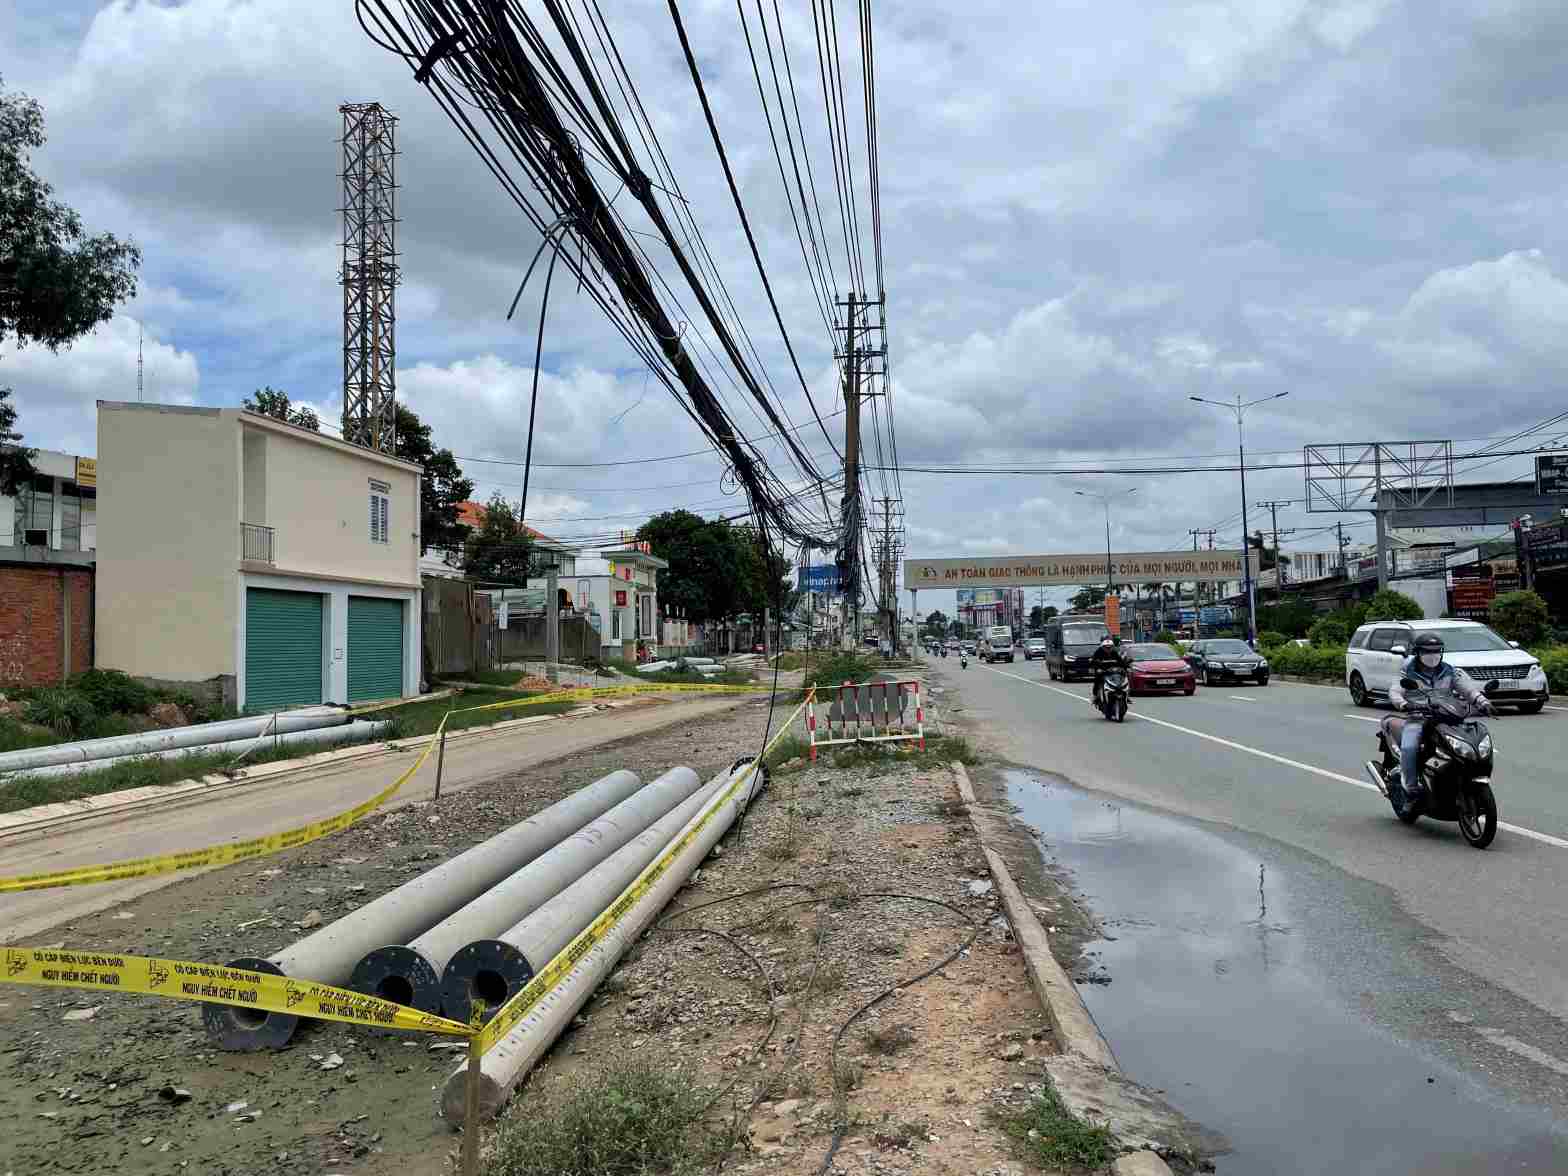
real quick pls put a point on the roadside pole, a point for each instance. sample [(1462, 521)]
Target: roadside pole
[(552, 623)]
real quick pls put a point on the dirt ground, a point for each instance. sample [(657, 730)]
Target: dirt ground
[(926, 1067)]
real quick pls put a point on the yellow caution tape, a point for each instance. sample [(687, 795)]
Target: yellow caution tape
[(585, 693), (183, 980), (507, 1017), (217, 855)]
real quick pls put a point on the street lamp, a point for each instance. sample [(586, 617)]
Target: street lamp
[(1239, 407), (1105, 501)]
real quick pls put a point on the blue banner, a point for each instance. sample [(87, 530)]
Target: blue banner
[(819, 578)]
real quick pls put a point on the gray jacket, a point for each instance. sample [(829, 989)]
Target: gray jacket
[(1445, 677)]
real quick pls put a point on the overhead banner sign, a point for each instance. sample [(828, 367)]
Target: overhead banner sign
[(1019, 571), (819, 578), (1551, 473)]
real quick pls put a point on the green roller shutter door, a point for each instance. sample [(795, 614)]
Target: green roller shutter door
[(375, 648), (282, 648)]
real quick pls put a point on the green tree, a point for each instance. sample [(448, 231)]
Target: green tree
[(765, 580), (1088, 599), (499, 550), (1521, 616), (275, 403), (441, 489), (1388, 605), (703, 579), (936, 623), (56, 283)]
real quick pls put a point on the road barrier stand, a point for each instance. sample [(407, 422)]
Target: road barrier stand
[(868, 712)]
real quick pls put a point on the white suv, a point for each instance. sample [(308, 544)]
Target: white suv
[(1379, 649)]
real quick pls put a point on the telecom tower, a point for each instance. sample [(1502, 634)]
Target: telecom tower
[(369, 275)]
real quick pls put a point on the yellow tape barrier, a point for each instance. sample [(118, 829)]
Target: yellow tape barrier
[(255, 847), (507, 1017), (183, 980)]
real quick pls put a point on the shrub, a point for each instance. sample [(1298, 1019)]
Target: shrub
[(1332, 631), (1166, 637), (1308, 661), (1521, 616), (112, 692), (1051, 1136), (1555, 662), (1291, 618), (1388, 605), (63, 710), (841, 668), (1272, 639)]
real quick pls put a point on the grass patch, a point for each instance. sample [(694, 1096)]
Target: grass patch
[(948, 748), (16, 794), (631, 1119), (14, 736), (422, 718), (840, 668), (1059, 1139), (503, 678), (889, 1039), (791, 747)]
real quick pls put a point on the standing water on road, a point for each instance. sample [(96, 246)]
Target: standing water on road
[(1217, 997)]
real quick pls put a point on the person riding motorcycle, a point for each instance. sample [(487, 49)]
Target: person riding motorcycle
[(1106, 658), (1426, 667)]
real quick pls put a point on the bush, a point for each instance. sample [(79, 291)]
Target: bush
[(1521, 616), (1555, 662), (841, 668), (1388, 605), (1308, 661), (63, 710), (1331, 632), (112, 692), (1166, 637), (1291, 618), (1272, 639)]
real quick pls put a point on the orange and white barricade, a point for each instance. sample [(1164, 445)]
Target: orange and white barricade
[(866, 712)]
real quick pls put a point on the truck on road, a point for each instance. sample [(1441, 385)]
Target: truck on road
[(996, 644)]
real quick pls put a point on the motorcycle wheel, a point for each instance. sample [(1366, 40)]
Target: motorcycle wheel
[(1119, 709), (1478, 815), (1397, 800)]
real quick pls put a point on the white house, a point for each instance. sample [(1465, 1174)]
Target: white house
[(270, 564), (622, 585), (54, 518)]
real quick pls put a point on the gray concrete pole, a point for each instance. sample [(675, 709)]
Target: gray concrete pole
[(410, 974), (328, 956), (552, 622), (493, 970), (514, 1055)]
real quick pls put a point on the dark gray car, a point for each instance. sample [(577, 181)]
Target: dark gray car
[(1217, 660)]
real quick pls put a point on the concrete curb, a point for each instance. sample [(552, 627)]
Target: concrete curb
[(42, 820), (1074, 1027)]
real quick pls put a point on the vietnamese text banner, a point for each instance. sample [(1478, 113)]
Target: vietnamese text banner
[(1008, 571)]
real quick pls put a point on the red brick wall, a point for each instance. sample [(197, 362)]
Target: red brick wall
[(31, 612)]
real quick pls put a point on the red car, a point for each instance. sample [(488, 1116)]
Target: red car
[(1159, 669)]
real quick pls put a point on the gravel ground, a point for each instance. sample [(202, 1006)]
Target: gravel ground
[(923, 1071), (81, 1072)]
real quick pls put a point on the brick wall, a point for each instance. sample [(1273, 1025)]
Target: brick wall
[(34, 610)]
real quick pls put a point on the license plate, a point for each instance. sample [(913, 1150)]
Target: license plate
[(1165, 681)]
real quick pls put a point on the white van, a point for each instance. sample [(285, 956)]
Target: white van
[(996, 644), (1379, 649)]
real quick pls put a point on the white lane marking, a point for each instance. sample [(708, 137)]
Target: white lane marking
[(1241, 698), (1363, 719), (1545, 838)]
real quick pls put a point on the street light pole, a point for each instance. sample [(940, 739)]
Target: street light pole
[(1105, 501), (1239, 408)]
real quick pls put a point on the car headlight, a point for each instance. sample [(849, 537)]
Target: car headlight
[(1263, 663), (1458, 746), (1536, 673), (1485, 746)]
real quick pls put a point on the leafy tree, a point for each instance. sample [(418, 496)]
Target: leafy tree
[(936, 623), (441, 489), (499, 550), (1521, 616), (765, 580), (1088, 599), (1292, 618), (275, 403), (1329, 632), (56, 283), (1388, 605), (703, 578)]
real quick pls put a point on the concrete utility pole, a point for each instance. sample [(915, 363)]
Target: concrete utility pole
[(1196, 585), (1339, 529), (851, 499), (1279, 570), (552, 622)]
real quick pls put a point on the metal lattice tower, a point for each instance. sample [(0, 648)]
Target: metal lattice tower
[(369, 275)]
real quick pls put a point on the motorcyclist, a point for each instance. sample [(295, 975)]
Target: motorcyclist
[(1105, 659), (1427, 668)]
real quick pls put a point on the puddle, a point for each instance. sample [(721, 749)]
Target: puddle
[(1218, 999)]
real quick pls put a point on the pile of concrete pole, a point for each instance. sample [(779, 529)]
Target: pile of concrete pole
[(464, 937)]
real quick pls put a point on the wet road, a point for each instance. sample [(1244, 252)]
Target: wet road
[(1457, 954)]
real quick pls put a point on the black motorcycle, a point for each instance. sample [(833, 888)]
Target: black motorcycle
[(1113, 696), (1455, 762)]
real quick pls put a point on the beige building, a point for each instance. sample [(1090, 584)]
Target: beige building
[(273, 565)]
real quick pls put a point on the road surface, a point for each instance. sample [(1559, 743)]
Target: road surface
[(277, 804), (1457, 952)]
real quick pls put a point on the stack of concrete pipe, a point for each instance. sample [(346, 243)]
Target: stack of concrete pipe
[(328, 956), (558, 922), (411, 973)]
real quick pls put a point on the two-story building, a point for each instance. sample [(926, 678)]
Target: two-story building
[(268, 564)]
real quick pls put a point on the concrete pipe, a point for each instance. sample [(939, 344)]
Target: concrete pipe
[(515, 1054), (411, 974), (149, 742), (306, 741), (492, 971), (328, 956)]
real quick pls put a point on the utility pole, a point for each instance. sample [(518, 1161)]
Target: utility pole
[(1279, 572), (1339, 530), (552, 621), (859, 361), (1196, 602)]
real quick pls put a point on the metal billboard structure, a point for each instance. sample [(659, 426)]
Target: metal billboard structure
[(1381, 477), (369, 275)]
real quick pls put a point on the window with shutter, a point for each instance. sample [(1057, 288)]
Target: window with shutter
[(379, 510)]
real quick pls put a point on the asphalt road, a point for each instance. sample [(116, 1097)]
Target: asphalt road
[(1462, 951)]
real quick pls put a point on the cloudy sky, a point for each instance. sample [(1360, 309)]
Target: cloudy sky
[(1090, 213)]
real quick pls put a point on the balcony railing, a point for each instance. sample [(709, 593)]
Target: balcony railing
[(255, 543)]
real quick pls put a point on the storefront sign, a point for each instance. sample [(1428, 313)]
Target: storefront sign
[(1471, 599), (620, 598), (1018, 571), (87, 472), (1551, 473)]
